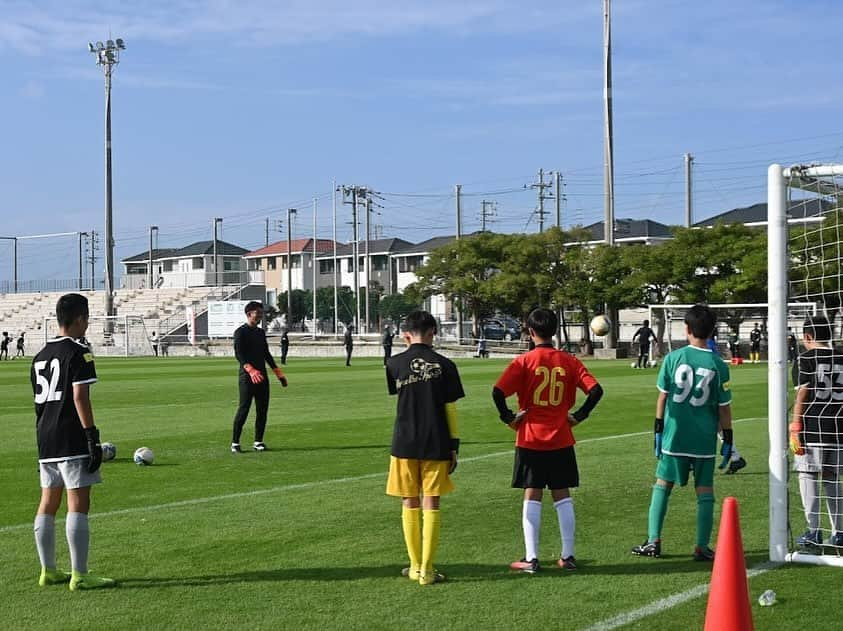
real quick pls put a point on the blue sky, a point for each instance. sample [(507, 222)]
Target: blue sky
[(242, 109)]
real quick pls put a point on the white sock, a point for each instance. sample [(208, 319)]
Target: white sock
[(78, 540), (567, 522), (736, 455), (45, 539), (810, 498), (531, 520), (833, 501)]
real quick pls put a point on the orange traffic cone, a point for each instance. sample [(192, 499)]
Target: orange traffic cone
[(728, 596)]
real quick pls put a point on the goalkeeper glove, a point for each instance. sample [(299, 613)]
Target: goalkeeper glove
[(280, 376), (658, 430), (254, 374), (726, 448), (795, 442), (92, 437)]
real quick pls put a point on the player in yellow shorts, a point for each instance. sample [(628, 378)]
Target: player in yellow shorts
[(425, 440)]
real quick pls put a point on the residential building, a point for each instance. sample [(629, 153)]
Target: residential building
[(190, 266)]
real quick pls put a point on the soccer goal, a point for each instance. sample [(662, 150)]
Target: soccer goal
[(805, 221), (121, 336)]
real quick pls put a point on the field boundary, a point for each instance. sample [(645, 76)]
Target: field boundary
[(309, 485)]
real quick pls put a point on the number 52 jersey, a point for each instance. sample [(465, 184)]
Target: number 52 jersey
[(696, 382), (60, 365)]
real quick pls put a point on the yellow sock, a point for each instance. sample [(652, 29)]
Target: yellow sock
[(413, 538), (430, 538)]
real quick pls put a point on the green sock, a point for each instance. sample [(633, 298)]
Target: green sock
[(705, 518), (658, 509)]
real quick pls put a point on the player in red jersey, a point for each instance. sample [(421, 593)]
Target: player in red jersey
[(546, 381)]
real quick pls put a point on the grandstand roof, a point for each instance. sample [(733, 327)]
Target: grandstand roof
[(194, 249), (632, 230), (296, 246), (800, 210)]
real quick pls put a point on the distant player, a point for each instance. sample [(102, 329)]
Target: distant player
[(285, 347), (792, 346), (20, 349), (69, 452), (387, 344), (816, 432), (694, 402), (644, 335), (348, 342), (546, 382), (425, 441), (252, 351), (755, 345), (4, 345), (154, 341)]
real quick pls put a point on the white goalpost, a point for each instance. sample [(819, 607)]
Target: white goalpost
[(120, 336), (805, 221)]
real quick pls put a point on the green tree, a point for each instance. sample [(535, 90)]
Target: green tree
[(325, 303), (396, 307), (301, 303)]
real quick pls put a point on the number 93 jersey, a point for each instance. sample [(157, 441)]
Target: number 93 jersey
[(546, 381), (696, 382), (60, 365)]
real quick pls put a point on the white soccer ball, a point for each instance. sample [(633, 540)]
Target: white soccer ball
[(633, 365), (600, 325), (109, 452), (144, 456)]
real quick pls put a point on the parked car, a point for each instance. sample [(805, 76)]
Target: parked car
[(503, 328)]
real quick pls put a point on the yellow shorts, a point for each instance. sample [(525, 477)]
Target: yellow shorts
[(409, 477)]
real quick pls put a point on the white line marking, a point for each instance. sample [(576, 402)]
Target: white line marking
[(657, 606), (304, 485)]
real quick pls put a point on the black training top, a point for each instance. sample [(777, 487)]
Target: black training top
[(820, 370), (347, 339), (424, 382), (645, 333), (387, 339), (755, 336), (250, 347), (60, 365)]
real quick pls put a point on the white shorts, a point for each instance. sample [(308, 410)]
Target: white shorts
[(70, 474), (817, 459)]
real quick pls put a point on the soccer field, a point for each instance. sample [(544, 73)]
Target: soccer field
[(302, 536)]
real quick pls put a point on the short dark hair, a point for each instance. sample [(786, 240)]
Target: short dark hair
[(420, 322), (818, 328), (69, 307), (543, 322), (701, 320), (253, 306), (646, 323)]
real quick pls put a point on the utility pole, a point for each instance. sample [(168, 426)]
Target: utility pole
[(108, 56), (368, 261), (541, 185), (151, 277), (217, 221), (689, 207), (81, 234), (558, 180), (487, 211), (337, 276), (313, 264), (93, 258), (457, 195), (290, 213), (266, 239), (608, 157)]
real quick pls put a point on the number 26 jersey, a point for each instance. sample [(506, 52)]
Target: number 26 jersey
[(696, 382), (60, 365)]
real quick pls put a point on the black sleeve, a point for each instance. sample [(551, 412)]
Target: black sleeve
[(504, 413), (238, 346), (453, 384), (266, 354), (390, 383), (82, 368), (594, 395)]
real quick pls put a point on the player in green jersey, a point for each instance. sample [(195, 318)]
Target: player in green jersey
[(694, 403)]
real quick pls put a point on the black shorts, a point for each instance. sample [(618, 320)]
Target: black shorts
[(556, 469), (644, 349), (755, 347)]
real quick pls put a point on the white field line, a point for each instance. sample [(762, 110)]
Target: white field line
[(657, 606), (302, 485)]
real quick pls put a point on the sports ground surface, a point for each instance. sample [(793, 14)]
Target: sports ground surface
[(302, 536)]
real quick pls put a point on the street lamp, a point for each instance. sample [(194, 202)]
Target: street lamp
[(290, 213), (108, 56)]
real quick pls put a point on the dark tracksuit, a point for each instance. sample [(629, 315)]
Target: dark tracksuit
[(250, 347), (387, 346), (348, 341)]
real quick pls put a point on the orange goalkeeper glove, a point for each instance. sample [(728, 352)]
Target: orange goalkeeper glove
[(280, 376), (254, 374), (795, 443)]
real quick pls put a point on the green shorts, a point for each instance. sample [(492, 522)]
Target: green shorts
[(676, 469)]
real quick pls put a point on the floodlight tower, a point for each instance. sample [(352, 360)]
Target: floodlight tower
[(108, 56)]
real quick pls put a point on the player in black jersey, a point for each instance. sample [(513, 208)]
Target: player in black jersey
[(816, 430), (425, 440), (252, 351), (69, 452), (4, 345), (644, 335), (755, 345)]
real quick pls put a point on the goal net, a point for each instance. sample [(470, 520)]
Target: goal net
[(121, 336), (805, 219)]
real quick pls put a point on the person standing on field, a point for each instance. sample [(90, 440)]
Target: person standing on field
[(387, 344), (348, 342), (69, 450), (4, 345), (546, 381), (252, 352), (425, 441), (285, 347)]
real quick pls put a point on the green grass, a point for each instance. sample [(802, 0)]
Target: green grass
[(302, 536)]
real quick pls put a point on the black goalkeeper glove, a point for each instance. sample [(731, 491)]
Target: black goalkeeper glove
[(92, 437), (726, 448), (658, 430)]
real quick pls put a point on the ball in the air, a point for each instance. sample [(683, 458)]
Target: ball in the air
[(600, 325), (109, 452), (144, 456)]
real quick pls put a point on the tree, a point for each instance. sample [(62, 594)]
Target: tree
[(815, 263), (325, 303), (396, 307), (301, 303)]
